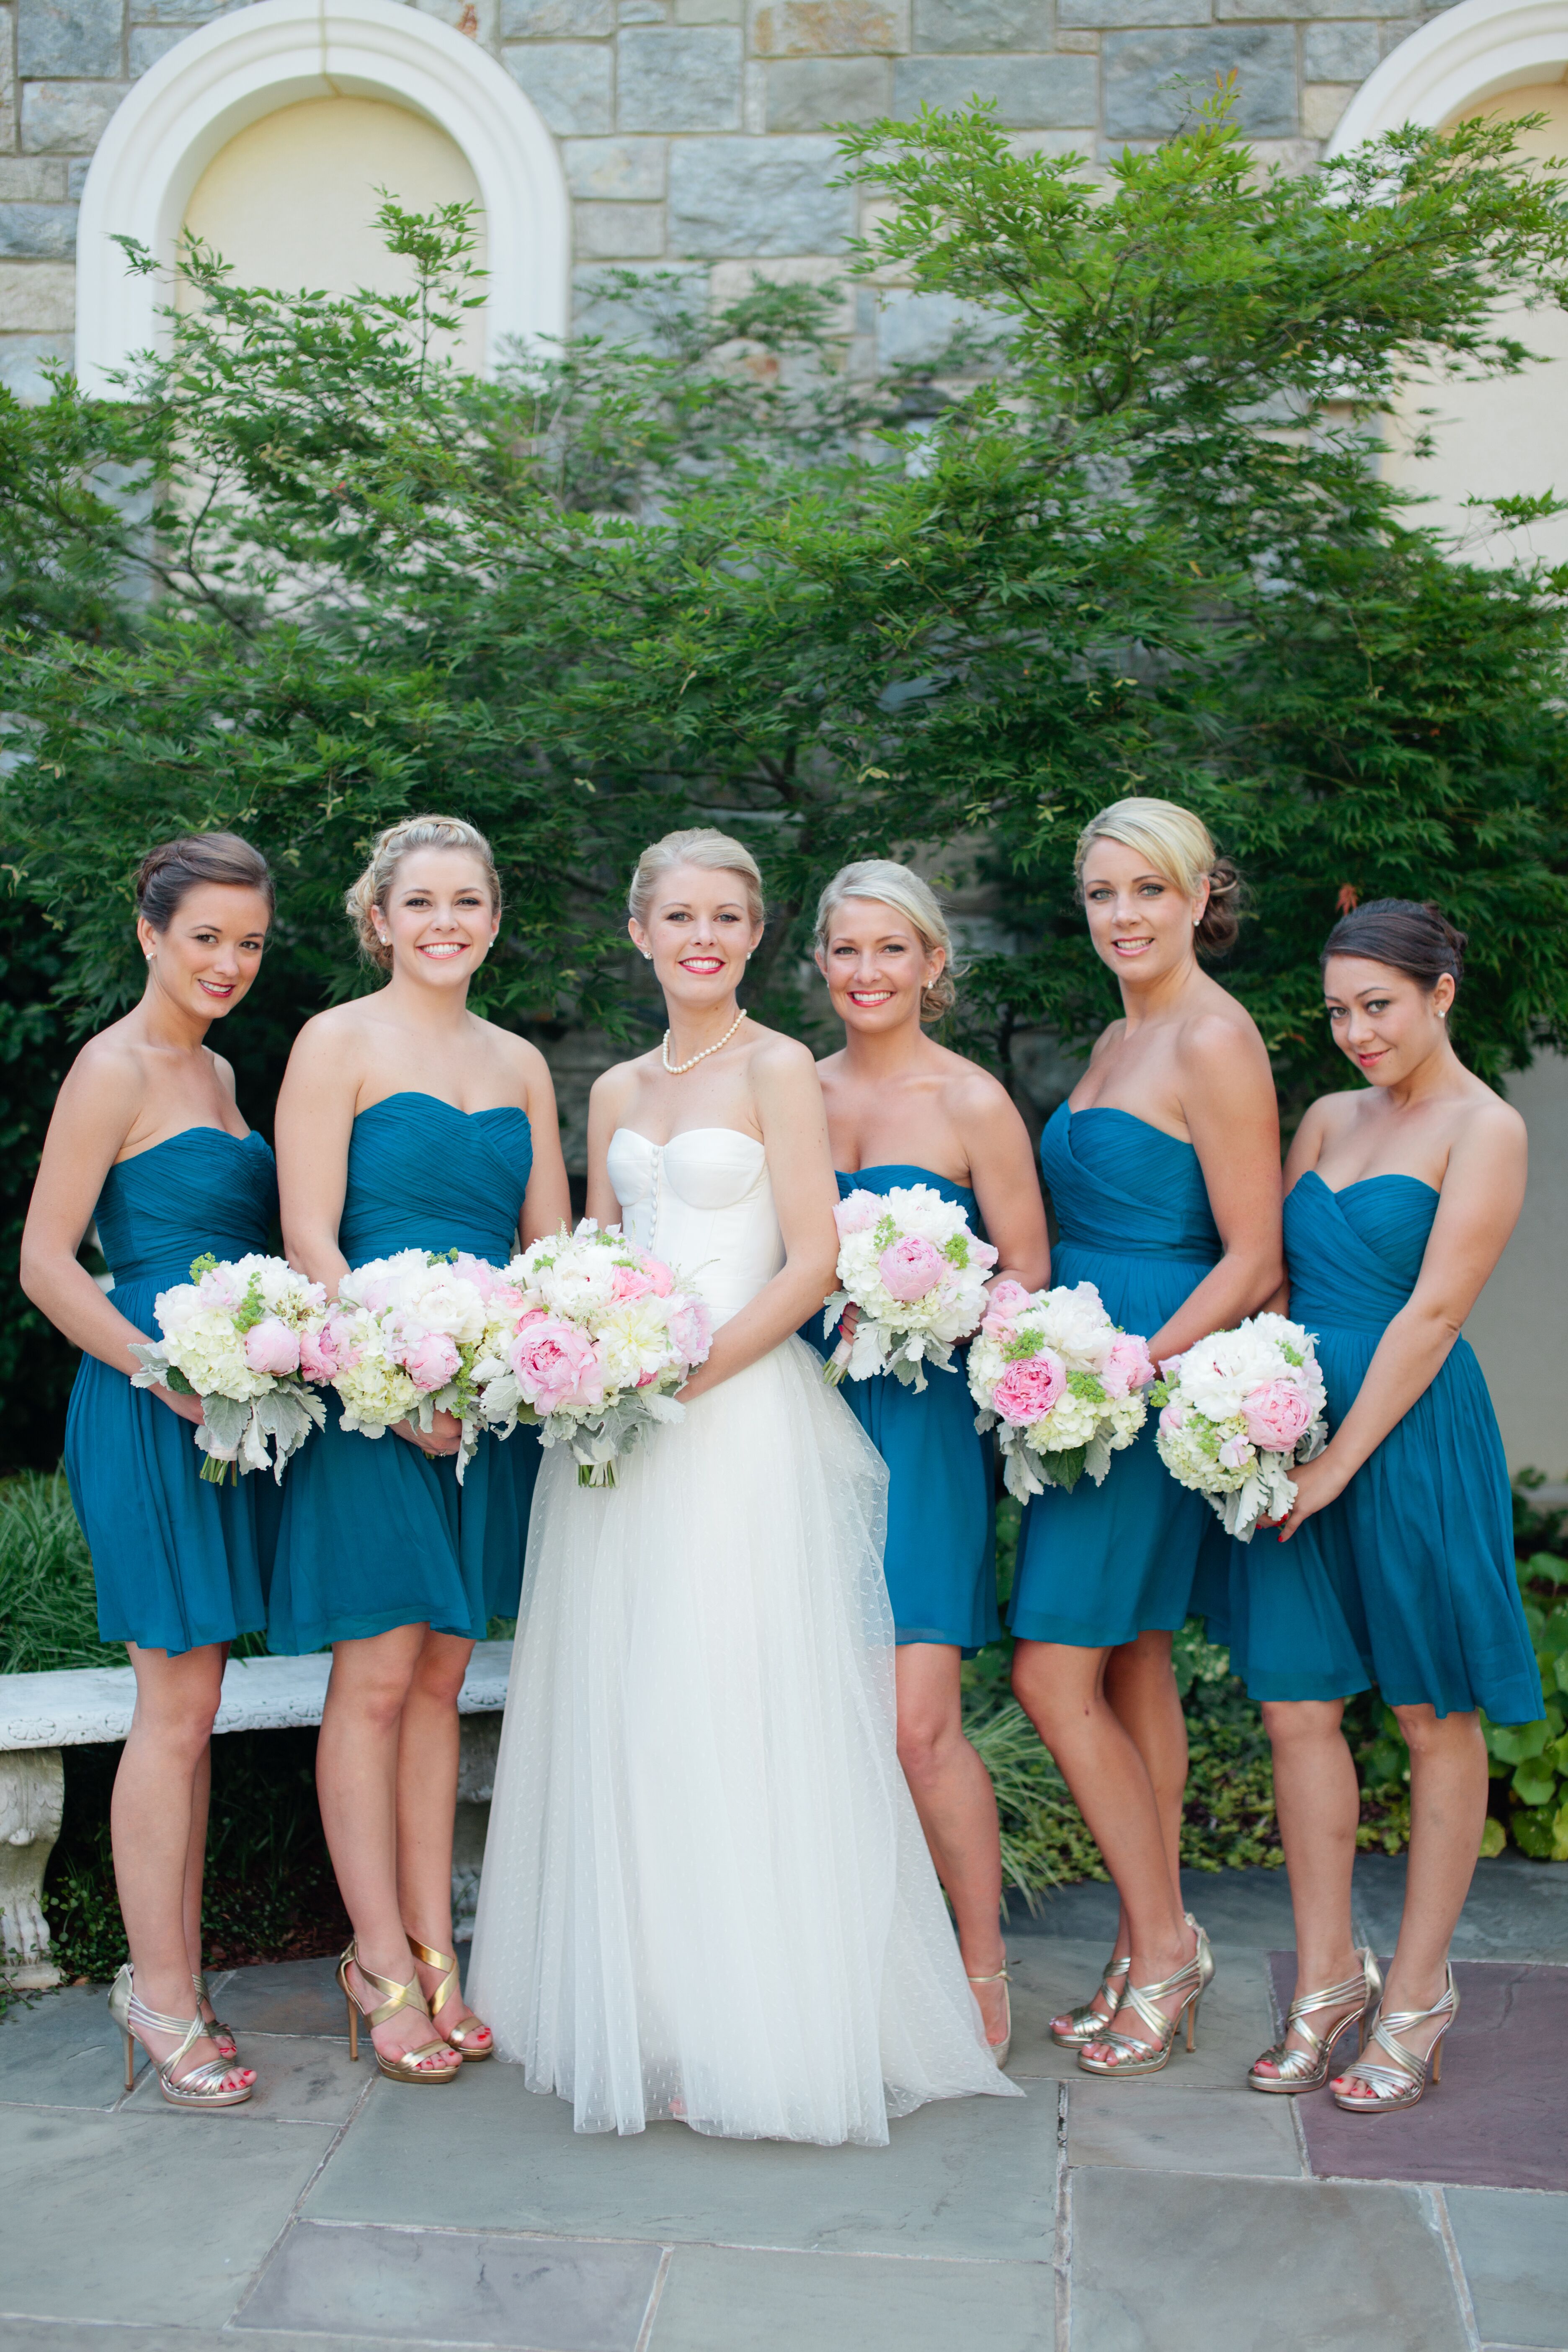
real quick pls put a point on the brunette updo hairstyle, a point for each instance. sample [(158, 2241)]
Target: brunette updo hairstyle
[(176, 868), (391, 846), (1407, 935), (701, 845), (891, 885), (1179, 845)]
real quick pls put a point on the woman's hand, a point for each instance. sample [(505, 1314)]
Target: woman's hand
[(850, 1321), (1316, 1484), (444, 1435), (189, 1408)]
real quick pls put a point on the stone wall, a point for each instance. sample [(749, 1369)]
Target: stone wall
[(691, 130)]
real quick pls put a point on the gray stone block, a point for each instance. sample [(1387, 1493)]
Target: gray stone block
[(556, 20), (720, 2300), (1339, 52), (569, 81), (679, 77), (31, 180), (148, 42), (1183, 2129), (616, 171), (757, 196), (188, 13), (67, 118), (1514, 2249), (618, 232), (805, 93), (634, 314), (1294, 11), (914, 330), (37, 298), (23, 359), (1109, 15), (38, 232), (76, 179), (1155, 81), (1030, 93), (967, 26), (708, 12), (830, 29), (68, 36)]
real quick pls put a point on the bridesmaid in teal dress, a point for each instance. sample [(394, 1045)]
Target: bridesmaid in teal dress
[(1396, 1565), (407, 1122), (147, 1140), (902, 1110), (1163, 1172)]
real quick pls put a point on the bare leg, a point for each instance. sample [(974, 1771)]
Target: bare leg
[(1447, 1814), (356, 1779), (1140, 1687), (1062, 1691), (152, 1820), (1318, 1806), (957, 1806), (426, 1809)]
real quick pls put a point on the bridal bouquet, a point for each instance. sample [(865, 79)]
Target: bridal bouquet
[(1239, 1409), (234, 1335), (1064, 1386), (603, 1337), (416, 1335), (909, 1262)]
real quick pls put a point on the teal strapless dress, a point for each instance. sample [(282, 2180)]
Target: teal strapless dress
[(1106, 1563), (374, 1533), (176, 1562), (1406, 1580), (939, 1559)]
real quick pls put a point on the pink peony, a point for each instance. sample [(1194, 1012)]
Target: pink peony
[(430, 1359), (271, 1347), (691, 1329), (981, 1254), (1005, 1302), (1126, 1367), (855, 1214), (911, 1267), (325, 1353), (659, 1274), (1277, 1416), (556, 1364), (217, 1287), (630, 1282), (1172, 1418), (1028, 1390), (476, 1270), (1233, 1454)]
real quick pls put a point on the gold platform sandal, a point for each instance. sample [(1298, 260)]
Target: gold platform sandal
[(1086, 2023), (427, 1955), (1308, 2070), (1001, 2050), (220, 2035), (1133, 2056), (1403, 2082), (206, 2085), (405, 2068)]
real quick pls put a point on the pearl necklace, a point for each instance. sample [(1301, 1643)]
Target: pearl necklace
[(679, 1069)]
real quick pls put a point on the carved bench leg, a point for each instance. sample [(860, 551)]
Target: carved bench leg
[(32, 1802)]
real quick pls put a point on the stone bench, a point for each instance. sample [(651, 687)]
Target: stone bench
[(42, 1713)]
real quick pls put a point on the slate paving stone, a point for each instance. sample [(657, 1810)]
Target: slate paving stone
[(1159, 2124), (1518, 1909), (459, 2286), (1164, 2262), (718, 2300), (961, 2176), (283, 1997), (1514, 2249), (1496, 2118), (115, 2218), (299, 2081), (1236, 1907), (62, 2050), (90, 2336)]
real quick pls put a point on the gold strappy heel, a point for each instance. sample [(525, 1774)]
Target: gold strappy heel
[(206, 2085), (1308, 2070), (1402, 2084), (406, 2068), (219, 2034), (1086, 2023), (1130, 2054), (999, 2050), (457, 2039)]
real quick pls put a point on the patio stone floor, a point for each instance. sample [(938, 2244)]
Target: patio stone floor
[(1184, 2214)]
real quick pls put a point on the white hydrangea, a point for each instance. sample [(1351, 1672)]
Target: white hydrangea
[(1219, 1402), (901, 1335)]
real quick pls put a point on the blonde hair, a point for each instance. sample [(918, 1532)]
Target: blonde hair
[(716, 853), (391, 846), (891, 885), (1179, 845)]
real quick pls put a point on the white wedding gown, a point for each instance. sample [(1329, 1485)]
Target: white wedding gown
[(706, 1893)]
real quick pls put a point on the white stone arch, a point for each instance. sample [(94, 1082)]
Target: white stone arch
[(216, 82), (1468, 54)]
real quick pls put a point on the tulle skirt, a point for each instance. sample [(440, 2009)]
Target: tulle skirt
[(706, 1893)]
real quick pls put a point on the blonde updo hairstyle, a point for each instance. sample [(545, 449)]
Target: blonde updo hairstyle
[(716, 853), (891, 885), (373, 887), (1179, 845)]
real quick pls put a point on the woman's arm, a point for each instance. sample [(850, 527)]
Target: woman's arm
[(788, 1100), (1228, 1102), (314, 1125), (607, 1100), (547, 1203), (1483, 1192), (1007, 1190)]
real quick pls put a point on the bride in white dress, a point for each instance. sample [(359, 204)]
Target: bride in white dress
[(706, 1894)]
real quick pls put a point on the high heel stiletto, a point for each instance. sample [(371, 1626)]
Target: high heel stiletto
[(1356, 1999), (406, 2067), (1402, 2084), (457, 2039), (220, 2035), (1086, 2023), (206, 2085), (1132, 2055), (1001, 2050)]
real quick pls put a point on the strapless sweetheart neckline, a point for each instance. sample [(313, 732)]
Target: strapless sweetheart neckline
[(417, 1094), (250, 1136), (1116, 1112), (1387, 1176), (682, 1133)]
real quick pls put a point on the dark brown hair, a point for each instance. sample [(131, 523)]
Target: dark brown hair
[(1408, 936), (175, 867)]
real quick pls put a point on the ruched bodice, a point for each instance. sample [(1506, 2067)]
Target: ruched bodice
[(424, 1175), (704, 1202), (1124, 1188), (201, 1189), (1354, 1255)]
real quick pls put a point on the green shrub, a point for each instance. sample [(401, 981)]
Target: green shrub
[(48, 1612)]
